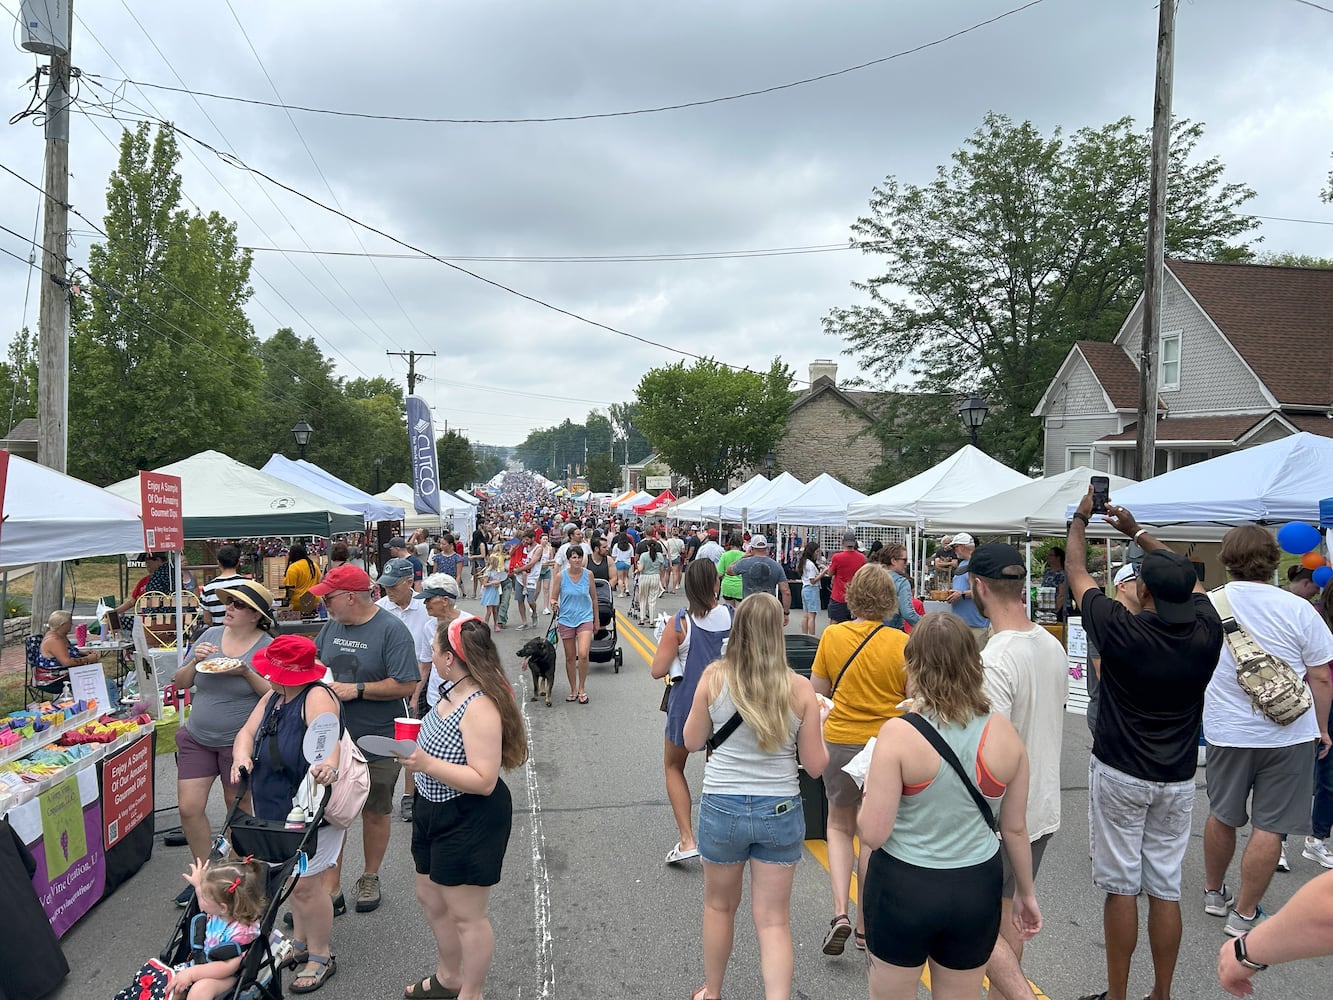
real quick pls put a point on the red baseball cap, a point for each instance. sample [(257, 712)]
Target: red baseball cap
[(348, 577)]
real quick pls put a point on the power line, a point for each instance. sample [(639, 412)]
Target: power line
[(234, 161), (1310, 3), (328, 187), (1283, 218), (680, 106)]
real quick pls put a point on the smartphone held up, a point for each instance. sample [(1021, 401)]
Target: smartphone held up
[(1101, 493)]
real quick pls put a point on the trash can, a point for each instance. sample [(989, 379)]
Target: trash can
[(801, 652), (801, 657)]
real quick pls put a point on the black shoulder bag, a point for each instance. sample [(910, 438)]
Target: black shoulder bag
[(949, 757), (855, 653)]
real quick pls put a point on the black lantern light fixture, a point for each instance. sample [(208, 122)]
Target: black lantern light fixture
[(770, 462), (973, 414), (302, 432), (379, 464)]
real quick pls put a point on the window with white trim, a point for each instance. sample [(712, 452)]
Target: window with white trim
[(1168, 362)]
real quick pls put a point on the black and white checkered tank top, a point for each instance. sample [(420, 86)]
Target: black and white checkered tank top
[(441, 737)]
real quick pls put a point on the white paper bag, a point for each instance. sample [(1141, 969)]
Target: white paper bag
[(859, 765)]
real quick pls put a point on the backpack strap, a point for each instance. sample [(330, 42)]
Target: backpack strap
[(721, 736), (949, 757)]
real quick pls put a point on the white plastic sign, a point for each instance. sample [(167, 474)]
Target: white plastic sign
[(321, 736)]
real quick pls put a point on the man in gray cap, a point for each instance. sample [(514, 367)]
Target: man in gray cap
[(760, 573), (840, 569), (399, 549)]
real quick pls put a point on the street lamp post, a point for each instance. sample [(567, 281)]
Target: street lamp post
[(301, 432), (379, 464), (973, 414), (770, 461)]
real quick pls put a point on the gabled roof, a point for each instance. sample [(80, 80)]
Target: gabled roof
[(859, 401), (1194, 428), (24, 430), (1112, 368), (1279, 319)]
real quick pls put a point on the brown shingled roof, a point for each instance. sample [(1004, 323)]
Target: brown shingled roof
[(1113, 369), (1194, 428), (1280, 319)]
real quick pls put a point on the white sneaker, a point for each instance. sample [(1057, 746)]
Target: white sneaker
[(1283, 865), (1318, 850)]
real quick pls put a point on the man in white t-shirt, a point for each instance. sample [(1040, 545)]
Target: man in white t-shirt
[(1252, 761), (562, 553), (711, 549), (1027, 681)]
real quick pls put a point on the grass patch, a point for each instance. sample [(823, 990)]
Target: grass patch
[(88, 579), (11, 692)]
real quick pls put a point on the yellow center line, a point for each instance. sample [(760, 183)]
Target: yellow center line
[(817, 848)]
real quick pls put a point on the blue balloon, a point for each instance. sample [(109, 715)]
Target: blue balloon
[(1298, 538), (1322, 575)]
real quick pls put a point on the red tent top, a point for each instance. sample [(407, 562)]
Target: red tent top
[(661, 500)]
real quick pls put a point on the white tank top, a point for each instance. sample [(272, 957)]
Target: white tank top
[(740, 767)]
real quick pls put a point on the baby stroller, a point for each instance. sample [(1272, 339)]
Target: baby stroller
[(282, 850), (605, 643)]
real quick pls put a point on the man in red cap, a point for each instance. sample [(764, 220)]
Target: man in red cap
[(373, 659)]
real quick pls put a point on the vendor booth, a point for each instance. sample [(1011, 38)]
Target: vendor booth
[(311, 477)]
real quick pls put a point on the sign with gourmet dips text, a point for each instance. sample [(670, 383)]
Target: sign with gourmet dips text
[(160, 508)]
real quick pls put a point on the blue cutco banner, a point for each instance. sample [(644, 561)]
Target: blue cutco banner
[(425, 463)]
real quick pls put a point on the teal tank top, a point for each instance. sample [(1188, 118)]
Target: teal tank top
[(941, 826)]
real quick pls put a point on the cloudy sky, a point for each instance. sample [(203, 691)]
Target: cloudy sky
[(786, 169)]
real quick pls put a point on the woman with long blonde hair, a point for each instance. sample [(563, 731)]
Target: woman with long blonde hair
[(462, 811), (756, 716)]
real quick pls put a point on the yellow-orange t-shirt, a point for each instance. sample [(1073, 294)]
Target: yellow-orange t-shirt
[(873, 686)]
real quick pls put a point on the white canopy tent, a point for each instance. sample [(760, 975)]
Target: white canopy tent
[(1035, 508), (698, 508), (966, 476), (780, 488), (1268, 484), (223, 498), (822, 502), (627, 506), (740, 498), (318, 481), (453, 510), (51, 516)]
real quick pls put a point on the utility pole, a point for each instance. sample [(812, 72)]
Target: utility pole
[(412, 376), (53, 320), (1145, 461)]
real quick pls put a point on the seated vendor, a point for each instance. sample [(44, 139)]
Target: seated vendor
[(58, 654)]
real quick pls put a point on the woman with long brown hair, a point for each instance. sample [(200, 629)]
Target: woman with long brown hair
[(462, 813), (757, 715), (930, 840)]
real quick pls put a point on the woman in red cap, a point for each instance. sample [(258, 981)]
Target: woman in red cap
[(269, 746), (463, 812)]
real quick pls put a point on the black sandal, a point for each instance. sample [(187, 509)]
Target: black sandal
[(328, 967), (839, 930), (429, 988)]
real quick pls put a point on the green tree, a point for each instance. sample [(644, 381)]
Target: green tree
[(18, 375), (1296, 260), (458, 465), (1023, 245), (163, 361), (603, 474), (710, 422), (631, 445), (489, 464)]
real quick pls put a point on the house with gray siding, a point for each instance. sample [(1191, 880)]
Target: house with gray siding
[(1246, 357)]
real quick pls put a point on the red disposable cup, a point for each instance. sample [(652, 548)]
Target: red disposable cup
[(406, 729)]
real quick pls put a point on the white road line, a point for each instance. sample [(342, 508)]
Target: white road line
[(541, 878)]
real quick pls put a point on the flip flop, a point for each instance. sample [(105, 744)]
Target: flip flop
[(678, 854), (572, 697), (583, 699), (430, 988)]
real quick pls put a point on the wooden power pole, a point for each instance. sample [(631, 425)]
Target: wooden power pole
[(53, 321), (1153, 273), (412, 376)]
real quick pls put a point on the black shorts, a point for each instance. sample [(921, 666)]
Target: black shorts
[(949, 915), (462, 841), (838, 612)]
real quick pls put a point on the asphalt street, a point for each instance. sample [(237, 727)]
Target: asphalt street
[(587, 908)]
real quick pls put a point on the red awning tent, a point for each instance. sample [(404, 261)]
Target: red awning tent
[(661, 500)]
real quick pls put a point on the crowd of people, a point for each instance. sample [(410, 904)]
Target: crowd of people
[(954, 804)]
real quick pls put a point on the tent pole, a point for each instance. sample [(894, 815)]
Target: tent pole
[(1027, 591)]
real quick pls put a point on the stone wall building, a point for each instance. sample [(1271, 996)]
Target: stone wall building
[(828, 430)]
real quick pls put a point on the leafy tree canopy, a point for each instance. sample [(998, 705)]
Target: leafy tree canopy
[(458, 464), (710, 422), (1021, 246)]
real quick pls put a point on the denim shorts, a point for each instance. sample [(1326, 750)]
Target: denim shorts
[(1138, 832), (734, 829), (810, 597)]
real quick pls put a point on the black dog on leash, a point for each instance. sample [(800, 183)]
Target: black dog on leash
[(540, 658)]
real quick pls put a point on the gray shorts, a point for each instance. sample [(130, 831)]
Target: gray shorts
[(1277, 782), (1038, 851), (839, 787), (1138, 832)]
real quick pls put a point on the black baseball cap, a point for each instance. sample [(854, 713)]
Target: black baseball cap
[(1170, 579), (997, 561)]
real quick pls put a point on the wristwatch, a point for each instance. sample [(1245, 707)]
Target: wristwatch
[(360, 690), (1244, 959)]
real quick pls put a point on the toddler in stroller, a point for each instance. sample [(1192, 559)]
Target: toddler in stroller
[(231, 900)]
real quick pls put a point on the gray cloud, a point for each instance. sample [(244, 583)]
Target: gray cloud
[(784, 169)]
